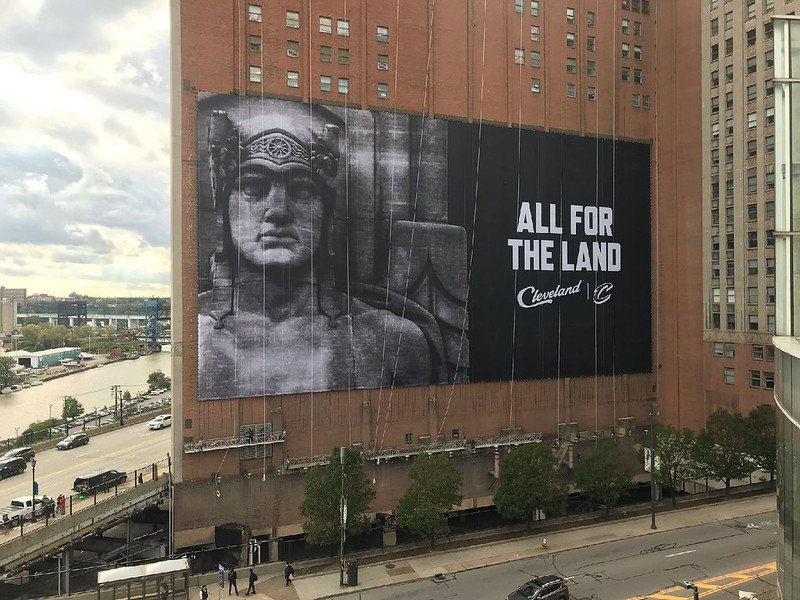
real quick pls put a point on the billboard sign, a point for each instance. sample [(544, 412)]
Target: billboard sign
[(349, 249)]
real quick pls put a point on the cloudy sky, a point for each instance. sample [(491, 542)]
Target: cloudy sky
[(84, 146)]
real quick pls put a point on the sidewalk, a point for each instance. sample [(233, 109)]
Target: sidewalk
[(453, 561)]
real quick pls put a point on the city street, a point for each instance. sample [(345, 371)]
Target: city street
[(123, 449), (741, 550)]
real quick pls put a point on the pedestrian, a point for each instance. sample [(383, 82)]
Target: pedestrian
[(164, 591), (204, 593), (63, 504), (250, 435), (141, 479), (251, 583), (232, 582), (6, 525), (288, 572)]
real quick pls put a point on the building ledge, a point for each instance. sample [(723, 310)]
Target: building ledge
[(787, 344)]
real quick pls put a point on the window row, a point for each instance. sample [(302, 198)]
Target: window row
[(325, 53), (752, 214), (572, 90), (325, 82), (626, 27), (752, 267), (762, 379), (642, 6), (625, 75), (254, 13), (519, 7), (753, 323), (758, 351), (752, 296), (626, 51), (751, 64), (751, 91)]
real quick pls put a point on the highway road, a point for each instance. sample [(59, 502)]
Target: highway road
[(123, 449), (726, 558)]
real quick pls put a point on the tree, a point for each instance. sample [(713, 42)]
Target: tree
[(434, 488), (529, 481), (721, 448), (126, 396), (157, 380), (7, 375), (323, 489), (674, 451), (72, 408), (604, 473), (762, 442)]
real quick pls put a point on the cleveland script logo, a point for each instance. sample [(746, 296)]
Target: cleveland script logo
[(530, 297)]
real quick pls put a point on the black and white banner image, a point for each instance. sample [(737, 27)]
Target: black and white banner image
[(350, 249)]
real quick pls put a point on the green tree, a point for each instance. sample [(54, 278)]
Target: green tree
[(7, 375), (603, 474), (72, 408), (762, 442), (39, 430), (529, 481), (433, 490), (320, 506), (157, 379), (126, 396), (721, 448), (674, 451)]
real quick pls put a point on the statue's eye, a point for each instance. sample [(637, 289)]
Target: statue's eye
[(254, 187)]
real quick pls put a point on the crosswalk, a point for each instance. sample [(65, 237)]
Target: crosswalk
[(712, 585)]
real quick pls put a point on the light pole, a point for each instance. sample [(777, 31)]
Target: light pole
[(652, 464), (342, 520), (33, 489)]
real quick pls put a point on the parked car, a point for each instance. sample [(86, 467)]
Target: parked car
[(22, 452), (160, 422), (102, 481), (547, 587), (12, 466), (73, 441)]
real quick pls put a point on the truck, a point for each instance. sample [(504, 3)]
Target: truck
[(20, 508)]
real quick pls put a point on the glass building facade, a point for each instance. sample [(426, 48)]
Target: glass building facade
[(787, 284)]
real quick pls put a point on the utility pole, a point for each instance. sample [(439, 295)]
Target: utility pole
[(66, 419), (117, 398), (652, 464), (342, 520)]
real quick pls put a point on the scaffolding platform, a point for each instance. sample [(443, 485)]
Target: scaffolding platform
[(242, 441)]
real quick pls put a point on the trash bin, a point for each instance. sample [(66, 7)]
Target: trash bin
[(352, 573)]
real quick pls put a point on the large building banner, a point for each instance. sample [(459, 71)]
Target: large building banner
[(342, 248)]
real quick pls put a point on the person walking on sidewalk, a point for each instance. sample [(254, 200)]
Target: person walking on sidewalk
[(232, 582), (204, 593), (288, 572), (251, 583)]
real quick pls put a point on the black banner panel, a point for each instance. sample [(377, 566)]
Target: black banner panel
[(350, 249)]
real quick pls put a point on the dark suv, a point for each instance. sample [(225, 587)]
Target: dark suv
[(548, 587), (23, 452)]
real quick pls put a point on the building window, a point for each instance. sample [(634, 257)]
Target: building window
[(768, 24), (293, 19), (570, 40), (752, 149), (770, 266), (519, 56), (254, 43), (730, 269), (750, 11), (625, 73), (383, 62), (382, 34), (571, 90), (758, 352), (534, 33), (325, 54), (292, 48), (769, 210), (729, 47), (591, 68), (646, 7), (715, 321), (536, 85), (728, 100), (325, 25), (752, 181), (770, 238), (254, 74), (769, 88), (728, 73), (752, 212), (714, 268), (769, 115), (752, 295), (325, 83), (729, 185), (715, 78), (715, 299), (728, 376), (518, 6), (750, 37), (626, 50), (591, 93), (717, 348), (752, 322), (770, 294), (456, 434), (591, 19), (769, 143), (536, 59), (715, 131), (728, 127), (343, 27), (254, 13), (729, 350), (769, 380), (646, 101), (769, 58), (731, 296), (728, 20), (752, 266), (637, 29), (626, 27), (755, 379), (570, 15), (343, 56), (714, 52), (769, 180), (383, 91), (534, 8), (637, 52), (591, 43), (637, 76), (409, 439), (752, 65), (769, 353), (752, 92), (715, 240), (344, 85), (714, 26), (293, 79), (637, 100), (572, 65)]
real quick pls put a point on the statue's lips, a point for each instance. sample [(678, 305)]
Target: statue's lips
[(276, 238)]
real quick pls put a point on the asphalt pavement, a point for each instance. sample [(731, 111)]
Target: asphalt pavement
[(123, 449)]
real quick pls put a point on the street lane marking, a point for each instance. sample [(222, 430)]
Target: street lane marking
[(679, 553), (712, 585)]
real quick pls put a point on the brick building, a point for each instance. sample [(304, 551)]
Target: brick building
[(599, 69)]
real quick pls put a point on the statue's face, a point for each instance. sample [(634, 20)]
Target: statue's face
[(276, 219)]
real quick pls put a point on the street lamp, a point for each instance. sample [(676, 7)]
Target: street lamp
[(652, 464), (33, 489)]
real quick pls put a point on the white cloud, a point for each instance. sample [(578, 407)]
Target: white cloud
[(84, 146)]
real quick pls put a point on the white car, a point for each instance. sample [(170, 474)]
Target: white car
[(160, 422)]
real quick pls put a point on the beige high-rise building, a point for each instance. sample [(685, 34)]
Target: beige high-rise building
[(8, 316), (739, 202)]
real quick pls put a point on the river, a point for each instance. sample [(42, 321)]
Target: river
[(92, 388)]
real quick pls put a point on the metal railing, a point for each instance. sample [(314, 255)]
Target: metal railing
[(508, 440), (239, 441)]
